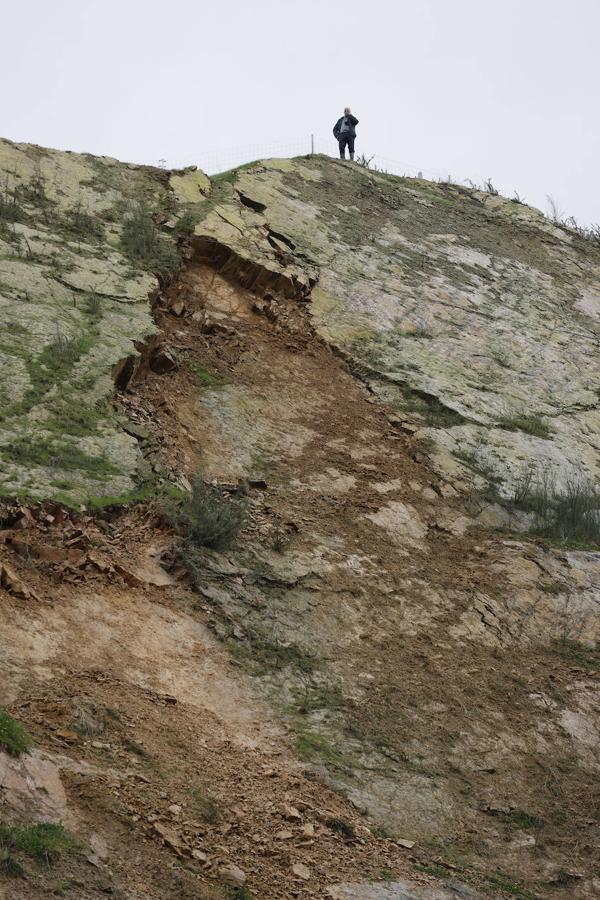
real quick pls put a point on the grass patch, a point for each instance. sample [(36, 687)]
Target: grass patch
[(230, 176), (312, 697), (14, 740), (579, 654), (38, 451), (450, 854), (147, 490), (53, 366), (203, 376), (502, 882), (44, 843), (438, 871), (532, 424), (310, 746), (552, 587), (384, 833), (9, 866), (386, 875), (76, 421), (262, 655)]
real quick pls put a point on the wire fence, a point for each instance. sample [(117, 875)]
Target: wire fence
[(218, 160)]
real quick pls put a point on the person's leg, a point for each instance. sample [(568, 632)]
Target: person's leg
[(342, 143), (351, 147)]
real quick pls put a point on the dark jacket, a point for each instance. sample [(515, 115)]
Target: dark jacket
[(352, 123)]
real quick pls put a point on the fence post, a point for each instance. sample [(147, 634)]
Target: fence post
[(312, 145)]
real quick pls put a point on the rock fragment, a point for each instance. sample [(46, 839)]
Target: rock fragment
[(162, 360), (232, 875), (301, 871)]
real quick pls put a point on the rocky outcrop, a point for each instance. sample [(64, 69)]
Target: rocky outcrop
[(74, 306)]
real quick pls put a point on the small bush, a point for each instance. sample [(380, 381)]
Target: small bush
[(571, 514), (522, 819), (239, 893), (433, 411), (10, 208), (341, 826), (81, 224), (186, 224), (93, 306), (14, 740), (552, 587), (205, 518), (34, 191), (143, 243), (205, 804), (63, 350), (89, 720)]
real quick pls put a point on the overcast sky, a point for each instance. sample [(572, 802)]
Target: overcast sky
[(471, 88)]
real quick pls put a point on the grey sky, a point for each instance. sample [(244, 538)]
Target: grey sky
[(471, 88)]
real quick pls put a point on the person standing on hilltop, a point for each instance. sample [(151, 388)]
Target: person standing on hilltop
[(344, 131)]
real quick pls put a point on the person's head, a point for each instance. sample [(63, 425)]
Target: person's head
[(347, 110)]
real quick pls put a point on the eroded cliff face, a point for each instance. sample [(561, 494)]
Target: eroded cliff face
[(362, 358), (466, 309)]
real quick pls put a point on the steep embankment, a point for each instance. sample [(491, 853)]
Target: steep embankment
[(362, 358)]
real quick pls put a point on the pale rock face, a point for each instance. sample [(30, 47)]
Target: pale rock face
[(73, 306), (493, 319), (191, 187), (401, 522), (31, 788)]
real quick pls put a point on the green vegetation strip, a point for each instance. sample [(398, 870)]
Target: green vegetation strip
[(14, 740)]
